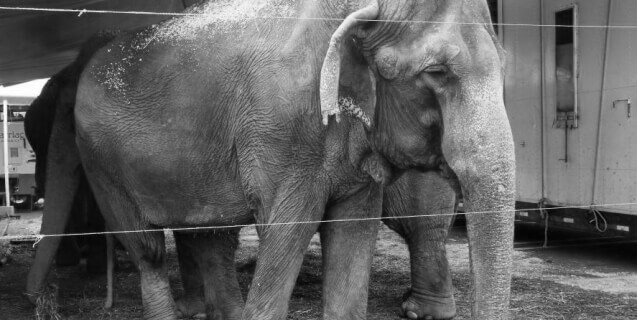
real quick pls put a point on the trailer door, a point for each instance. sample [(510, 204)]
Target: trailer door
[(617, 164)]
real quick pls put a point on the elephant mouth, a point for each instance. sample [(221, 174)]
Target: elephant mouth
[(407, 128)]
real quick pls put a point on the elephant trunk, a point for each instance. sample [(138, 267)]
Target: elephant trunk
[(490, 234), (478, 145)]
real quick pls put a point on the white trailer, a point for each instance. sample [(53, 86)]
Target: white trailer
[(570, 86), (21, 157)]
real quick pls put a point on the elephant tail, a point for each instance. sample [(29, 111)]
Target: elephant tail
[(110, 264)]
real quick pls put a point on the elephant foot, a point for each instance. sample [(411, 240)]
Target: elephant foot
[(427, 308), (191, 307)]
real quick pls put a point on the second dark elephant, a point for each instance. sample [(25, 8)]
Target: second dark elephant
[(85, 217)]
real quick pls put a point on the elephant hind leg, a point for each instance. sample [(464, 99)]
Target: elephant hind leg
[(148, 252), (157, 301), (147, 249), (207, 266), (192, 302)]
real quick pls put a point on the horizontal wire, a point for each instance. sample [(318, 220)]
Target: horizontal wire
[(83, 11), (40, 236)]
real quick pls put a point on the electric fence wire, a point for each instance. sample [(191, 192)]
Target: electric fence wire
[(40, 236), (80, 12)]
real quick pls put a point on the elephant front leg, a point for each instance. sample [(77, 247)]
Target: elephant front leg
[(284, 238), (431, 294), (417, 193), (348, 249)]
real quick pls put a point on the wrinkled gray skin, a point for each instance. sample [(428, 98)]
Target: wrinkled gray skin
[(54, 109), (186, 125), (413, 194)]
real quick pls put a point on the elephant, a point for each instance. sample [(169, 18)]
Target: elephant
[(233, 117), (58, 92), (413, 193), (431, 290)]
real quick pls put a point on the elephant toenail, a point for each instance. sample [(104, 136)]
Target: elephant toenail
[(429, 318), (412, 315)]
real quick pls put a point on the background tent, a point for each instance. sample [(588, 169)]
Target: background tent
[(38, 44)]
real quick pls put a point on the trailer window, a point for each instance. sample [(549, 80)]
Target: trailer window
[(566, 62)]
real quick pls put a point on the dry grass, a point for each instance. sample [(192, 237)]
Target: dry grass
[(81, 296), (46, 305)]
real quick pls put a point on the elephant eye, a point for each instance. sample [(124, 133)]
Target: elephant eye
[(436, 69)]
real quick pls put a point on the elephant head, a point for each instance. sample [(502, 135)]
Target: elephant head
[(436, 73)]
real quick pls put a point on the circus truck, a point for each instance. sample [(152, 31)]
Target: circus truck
[(21, 164), (570, 87)]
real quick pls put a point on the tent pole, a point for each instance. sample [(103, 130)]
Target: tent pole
[(6, 151)]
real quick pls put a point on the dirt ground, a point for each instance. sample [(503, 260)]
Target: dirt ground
[(566, 282)]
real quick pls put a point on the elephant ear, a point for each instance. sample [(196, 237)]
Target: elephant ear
[(333, 66)]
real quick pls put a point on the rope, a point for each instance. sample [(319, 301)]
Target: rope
[(545, 215), (83, 11), (597, 213), (6, 228), (542, 209)]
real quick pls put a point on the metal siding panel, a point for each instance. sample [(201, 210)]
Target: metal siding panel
[(571, 183), (523, 93), (618, 167)]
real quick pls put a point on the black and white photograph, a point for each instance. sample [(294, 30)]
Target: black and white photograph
[(318, 159)]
